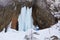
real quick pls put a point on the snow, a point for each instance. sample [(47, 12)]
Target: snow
[(27, 30), (46, 33), (12, 34), (54, 7)]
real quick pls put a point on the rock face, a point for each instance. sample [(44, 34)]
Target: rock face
[(9, 13), (16, 13), (14, 22), (11, 10), (41, 16), (54, 37)]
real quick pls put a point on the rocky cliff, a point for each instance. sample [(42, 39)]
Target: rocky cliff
[(8, 13), (41, 15)]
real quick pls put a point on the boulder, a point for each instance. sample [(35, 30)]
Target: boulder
[(42, 17)]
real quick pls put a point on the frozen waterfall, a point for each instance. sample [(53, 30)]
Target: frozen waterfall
[(25, 19)]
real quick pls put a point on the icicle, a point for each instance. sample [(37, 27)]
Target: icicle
[(25, 19), (21, 19)]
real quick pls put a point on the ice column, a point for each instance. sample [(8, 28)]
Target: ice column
[(25, 19)]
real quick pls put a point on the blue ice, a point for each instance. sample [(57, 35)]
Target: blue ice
[(25, 19)]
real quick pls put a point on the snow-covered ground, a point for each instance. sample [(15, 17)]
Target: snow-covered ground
[(27, 31), (31, 34), (12, 34)]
